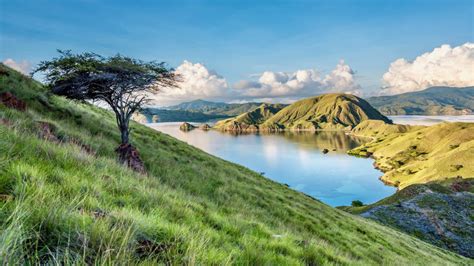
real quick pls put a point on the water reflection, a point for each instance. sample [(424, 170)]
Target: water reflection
[(295, 158)]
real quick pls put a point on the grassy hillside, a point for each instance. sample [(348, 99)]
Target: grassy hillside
[(64, 199), (432, 101), (249, 121), (328, 111), (415, 155)]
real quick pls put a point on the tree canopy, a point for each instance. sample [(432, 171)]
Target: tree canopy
[(123, 83)]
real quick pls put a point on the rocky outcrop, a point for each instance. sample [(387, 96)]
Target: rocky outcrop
[(439, 215), (11, 101), (205, 127), (155, 119), (139, 117), (186, 126)]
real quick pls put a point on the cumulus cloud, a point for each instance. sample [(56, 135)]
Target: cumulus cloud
[(301, 83), (200, 82), (23, 66), (197, 82), (444, 66)]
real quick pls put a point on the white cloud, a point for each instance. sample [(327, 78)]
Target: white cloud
[(200, 82), (301, 83), (444, 66), (197, 82), (23, 66)]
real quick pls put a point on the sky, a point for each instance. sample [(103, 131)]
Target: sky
[(276, 51)]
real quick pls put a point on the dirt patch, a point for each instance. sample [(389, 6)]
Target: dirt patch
[(6, 122), (11, 101), (46, 131), (129, 156), (84, 147)]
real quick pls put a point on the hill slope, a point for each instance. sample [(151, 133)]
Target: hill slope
[(328, 111), (250, 120), (432, 101), (64, 200), (418, 154)]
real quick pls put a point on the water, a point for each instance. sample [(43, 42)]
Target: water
[(430, 120), (296, 159)]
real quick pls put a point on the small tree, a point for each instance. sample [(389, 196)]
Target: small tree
[(123, 83), (357, 203)]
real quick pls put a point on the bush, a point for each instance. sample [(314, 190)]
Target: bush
[(357, 203)]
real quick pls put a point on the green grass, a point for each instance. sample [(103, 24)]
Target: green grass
[(70, 202), (417, 154)]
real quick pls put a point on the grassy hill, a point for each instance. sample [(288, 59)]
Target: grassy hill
[(418, 154), (328, 111), (64, 199), (431, 101), (324, 112), (250, 120)]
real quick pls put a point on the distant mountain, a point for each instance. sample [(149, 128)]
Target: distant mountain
[(248, 121), (432, 101), (328, 111), (162, 115), (214, 108), (197, 106)]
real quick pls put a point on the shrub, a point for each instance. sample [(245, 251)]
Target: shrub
[(357, 203)]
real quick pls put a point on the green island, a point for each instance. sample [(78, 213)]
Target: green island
[(64, 199), (334, 111)]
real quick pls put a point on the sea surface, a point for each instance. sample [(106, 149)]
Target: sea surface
[(430, 120), (296, 159)]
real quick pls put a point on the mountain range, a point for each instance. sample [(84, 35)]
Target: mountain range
[(431, 101)]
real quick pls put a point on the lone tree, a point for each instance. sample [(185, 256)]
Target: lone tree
[(123, 83)]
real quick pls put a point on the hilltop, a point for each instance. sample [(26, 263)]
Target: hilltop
[(66, 200), (324, 112), (431, 101)]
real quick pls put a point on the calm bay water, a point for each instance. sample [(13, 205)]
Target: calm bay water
[(296, 159), (430, 120)]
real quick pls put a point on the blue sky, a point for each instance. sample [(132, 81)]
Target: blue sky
[(239, 38)]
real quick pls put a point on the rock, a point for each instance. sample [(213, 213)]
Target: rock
[(186, 126), (438, 215), (139, 117), (129, 156), (11, 101), (325, 151), (46, 131), (155, 119), (205, 127)]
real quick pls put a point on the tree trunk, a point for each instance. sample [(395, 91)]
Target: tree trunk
[(124, 134)]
